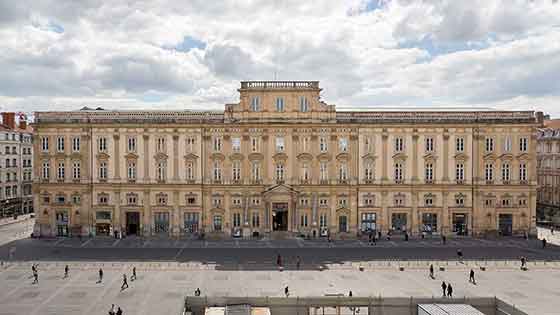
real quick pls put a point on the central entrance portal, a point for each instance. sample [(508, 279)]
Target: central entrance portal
[(132, 223), (280, 216)]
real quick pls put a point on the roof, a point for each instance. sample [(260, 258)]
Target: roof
[(552, 123), (448, 309)]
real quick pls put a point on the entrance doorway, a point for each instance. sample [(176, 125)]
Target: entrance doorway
[(280, 216), (505, 223), (132, 223), (460, 223), (398, 222)]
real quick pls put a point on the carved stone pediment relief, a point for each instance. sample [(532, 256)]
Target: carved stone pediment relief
[(399, 156), (461, 156), (103, 156), (369, 156), (236, 157), (430, 157), (523, 156), (342, 210), (160, 156), (191, 157), (344, 156), (255, 156), (324, 157), (281, 156), (131, 156), (489, 156), (305, 156), (506, 157), (217, 156)]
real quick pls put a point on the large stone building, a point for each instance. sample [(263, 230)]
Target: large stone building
[(16, 169), (548, 168), (281, 160)]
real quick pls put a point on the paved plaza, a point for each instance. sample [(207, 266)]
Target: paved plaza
[(161, 287)]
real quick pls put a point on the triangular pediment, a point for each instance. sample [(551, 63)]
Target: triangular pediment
[(490, 156), (160, 156), (523, 156), (399, 156), (280, 188), (430, 156), (305, 156)]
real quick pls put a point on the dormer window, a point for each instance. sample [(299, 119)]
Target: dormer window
[(303, 104), (255, 103), (280, 104)]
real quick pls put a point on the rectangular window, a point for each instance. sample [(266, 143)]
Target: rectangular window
[(255, 104), (131, 144), (217, 223), (190, 144), (460, 144), (343, 144), (303, 220), (255, 171), (236, 171), (160, 144), (76, 170), (399, 173), (279, 144), (236, 219), (460, 172), (507, 144), (60, 144), (368, 171), (324, 173), (429, 173), (217, 171), (489, 144), (103, 170), (523, 144), (429, 144), (459, 201), (254, 144), (279, 104), (102, 144), (303, 104), (255, 220), (76, 144), (323, 220), (305, 144), (369, 221), (191, 222), (523, 172), (368, 144), (343, 172), (323, 145), (60, 174), (45, 144), (217, 144), (280, 172), (489, 172), (45, 170), (131, 170), (161, 170), (505, 172), (190, 170), (399, 144), (236, 144)]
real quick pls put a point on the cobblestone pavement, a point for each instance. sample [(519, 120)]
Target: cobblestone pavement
[(161, 287)]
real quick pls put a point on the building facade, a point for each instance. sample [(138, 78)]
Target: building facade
[(282, 161), (548, 168), (16, 166)]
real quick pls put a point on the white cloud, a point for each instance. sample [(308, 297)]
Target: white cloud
[(66, 54)]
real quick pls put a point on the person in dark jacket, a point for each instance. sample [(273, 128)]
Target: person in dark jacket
[(449, 290), (444, 288)]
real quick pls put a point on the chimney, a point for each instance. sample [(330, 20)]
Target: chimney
[(22, 124), (9, 119)]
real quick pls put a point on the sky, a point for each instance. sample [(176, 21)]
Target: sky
[(163, 54)]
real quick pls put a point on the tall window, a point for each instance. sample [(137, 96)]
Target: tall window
[(102, 144), (160, 144), (217, 143), (489, 171), (303, 220), (76, 170), (237, 219), (460, 172), (60, 173), (280, 171), (323, 146), (279, 104), (343, 172), (236, 144), (429, 144), (398, 172), (323, 220), (523, 172), (45, 143), (368, 169), (255, 104), (60, 144), (103, 170), (368, 144), (305, 172), (254, 144), (255, 220), (507, 144), (190, 170), (46, 170), (323, 170), (236, 170), (190, 144), (429, 172), (460, 144), (161, 170), (131, 170), (505, 172), (279, 144), (76, 144), (131, 144), (217, 171), (304, 144), (399, 144), (523, 144), (489, 144), (343, 144), (303, 104), (255, 171)]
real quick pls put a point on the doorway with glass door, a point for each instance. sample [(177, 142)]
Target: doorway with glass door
[(280, 216)]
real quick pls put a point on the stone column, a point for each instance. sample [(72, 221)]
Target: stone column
[(147, 213), (118, 222), (175, 158), (446, 157), (147, 159), (176, 216), (415, 158), (415, 220), (265, 162), (246, 210), (444, 225), (314, 209), (384, 158), (86, 158), (384, 215), (116, 158), (267, 216)]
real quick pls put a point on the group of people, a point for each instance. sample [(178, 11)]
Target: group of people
[(117, 312), (279, 261)]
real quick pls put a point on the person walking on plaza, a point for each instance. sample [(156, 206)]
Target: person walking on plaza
[(460, 255), (471, 277), (298, 262), (33, 270), (279, 260), (197, 292), (523, 262), (443, 239), (350, 293), (35, 277), (124, 282), (66, 271), (133, 274), (432, 271), (443, 288), (100, 276), (112, 310), (119, 311), (287, 291), (543, 242), (449, 290)]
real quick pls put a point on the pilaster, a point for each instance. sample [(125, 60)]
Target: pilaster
[(116, 157)]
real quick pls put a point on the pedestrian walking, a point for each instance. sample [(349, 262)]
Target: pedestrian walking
[(449, 290), (444, 288), (124, 282), (112, 310), (66, 271), (100, 275), (523, 262), (279, 260), (370, 242), (543, 242), (406, 236), (197, 292), (298, 262), (119, 311), (350, 293), (35, 277), (432, 271), (133, 274), (443, 239), (471, 277), (33, 270), (552, 230), (287, 291), (460, 255)]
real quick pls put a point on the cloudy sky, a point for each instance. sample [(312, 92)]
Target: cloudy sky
[(163, 54)]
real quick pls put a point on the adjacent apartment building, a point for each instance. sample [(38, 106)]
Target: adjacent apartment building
[(548, 167), (282, 161), (16, 167)]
